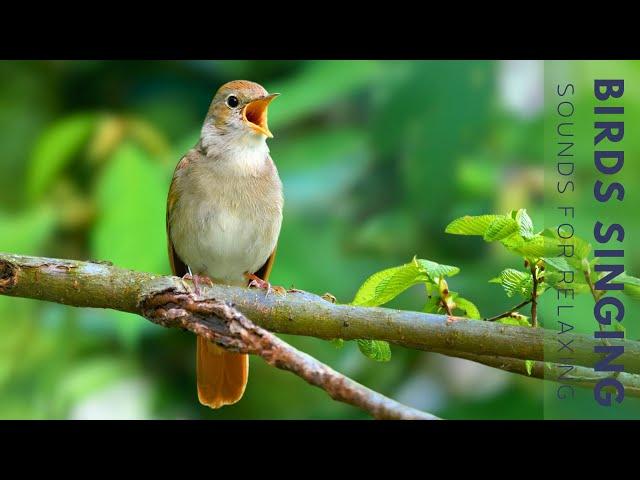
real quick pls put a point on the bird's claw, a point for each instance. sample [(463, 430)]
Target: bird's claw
[(197, 280), (257, 282)]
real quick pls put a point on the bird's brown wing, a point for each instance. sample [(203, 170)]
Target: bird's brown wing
[(264, 271), (178, 267)]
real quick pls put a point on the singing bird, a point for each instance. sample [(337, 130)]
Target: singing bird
[(224, 213)]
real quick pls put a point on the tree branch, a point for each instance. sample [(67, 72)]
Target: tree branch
[(90, 284), (174, 306), (223, 324), (570, 375)]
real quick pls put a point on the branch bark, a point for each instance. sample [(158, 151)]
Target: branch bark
[(101, 285), (170, 304)]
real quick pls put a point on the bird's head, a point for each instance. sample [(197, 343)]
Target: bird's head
[(238, 114)]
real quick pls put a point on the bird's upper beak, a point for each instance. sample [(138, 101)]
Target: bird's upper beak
[(255, 114)]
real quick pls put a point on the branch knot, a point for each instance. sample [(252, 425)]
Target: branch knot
[(8, 275)]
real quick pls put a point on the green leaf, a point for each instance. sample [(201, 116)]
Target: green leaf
[(432, 305), (525, 225), (551, 248), (472, 225), (517, 319), (500, 228), (533, 248), (377, 350), (582, 248), (55, 149), (132, 201), (515, 282), (468, 307), (555, 280), (529, 366), (628, 279), (558, 263), (631, 285), (435, 270), (384, 286), (337, 342)]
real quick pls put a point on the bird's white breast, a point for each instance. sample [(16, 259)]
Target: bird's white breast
[(227, 218)]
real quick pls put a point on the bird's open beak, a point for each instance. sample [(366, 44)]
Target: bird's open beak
[(255, 114)]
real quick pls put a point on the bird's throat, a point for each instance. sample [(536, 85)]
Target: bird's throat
[(236, 154)]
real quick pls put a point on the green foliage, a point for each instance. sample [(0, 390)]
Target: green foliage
[(469, 309), (557, 263), (515, 282), (517, 233), (529, 366), (122, 232), (500, 228), (384, 286), (515, 319), (631, 285), (472, 225), (55, 149), (539, 253), (26, 232), (375, 350), (525, 225), (306, 93), (434, 270)]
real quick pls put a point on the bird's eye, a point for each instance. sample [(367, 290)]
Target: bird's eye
[(232, 101)]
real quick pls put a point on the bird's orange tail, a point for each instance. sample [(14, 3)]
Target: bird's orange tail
[(222, 375)]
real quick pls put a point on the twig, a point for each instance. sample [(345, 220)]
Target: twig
[(174, 306), (510, 312), (576, 376), (227, 327), (534, 296), (446, 307), (587, 277)]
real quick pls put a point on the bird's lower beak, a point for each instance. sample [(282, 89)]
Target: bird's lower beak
[(255, 114)]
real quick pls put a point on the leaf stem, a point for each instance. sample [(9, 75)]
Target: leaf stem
[(587, 277), (596, 297), (445, 305), (510, 312), (534, 295)]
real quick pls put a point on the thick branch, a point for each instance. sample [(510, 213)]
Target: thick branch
[(87, 284), (224, 325), (175, 306)]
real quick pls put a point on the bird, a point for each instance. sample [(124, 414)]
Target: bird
[(224, 215)]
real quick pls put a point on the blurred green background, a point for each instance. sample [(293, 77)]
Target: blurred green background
[(376, 158)]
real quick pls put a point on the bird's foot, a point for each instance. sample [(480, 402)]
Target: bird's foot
[(197, 281), (257, 282)]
